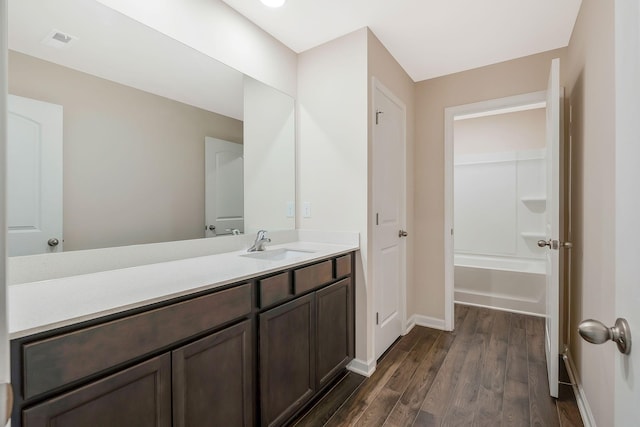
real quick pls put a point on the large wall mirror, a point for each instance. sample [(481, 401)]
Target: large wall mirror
[(112, 116)]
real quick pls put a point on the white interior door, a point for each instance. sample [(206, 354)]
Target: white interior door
[(552, 324), (627, 250), (224, 187), (34, 177), (388, 258)]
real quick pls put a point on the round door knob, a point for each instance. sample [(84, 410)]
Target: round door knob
[(596, 332), (543, 243), (53, 242)]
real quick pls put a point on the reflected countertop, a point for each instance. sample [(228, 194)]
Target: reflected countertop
[(41, 306)]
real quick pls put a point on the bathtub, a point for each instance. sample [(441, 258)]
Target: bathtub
[(511, 284)]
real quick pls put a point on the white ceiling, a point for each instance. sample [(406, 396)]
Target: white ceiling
[(117, 48), (429, 38)]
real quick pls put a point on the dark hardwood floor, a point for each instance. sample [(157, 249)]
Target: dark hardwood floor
[(490, 372)]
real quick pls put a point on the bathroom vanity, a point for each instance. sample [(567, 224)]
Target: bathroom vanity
[(252, 347)]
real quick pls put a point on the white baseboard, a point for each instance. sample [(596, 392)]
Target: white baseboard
[(429, 322), (362, 368), (511, 303), (581, 398), (491, 307)]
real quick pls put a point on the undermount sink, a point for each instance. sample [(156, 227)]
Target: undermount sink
[(278, 254)]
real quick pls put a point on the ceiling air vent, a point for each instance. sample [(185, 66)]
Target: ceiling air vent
[(58, 39)]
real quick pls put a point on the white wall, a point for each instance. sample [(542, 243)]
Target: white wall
[(332, 151), (215, 29), (269, 157)]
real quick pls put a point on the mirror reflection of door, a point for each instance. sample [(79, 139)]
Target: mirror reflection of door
[(34, 175), (224, 187)]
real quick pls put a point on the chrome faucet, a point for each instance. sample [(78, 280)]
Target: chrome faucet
[(261, 239)]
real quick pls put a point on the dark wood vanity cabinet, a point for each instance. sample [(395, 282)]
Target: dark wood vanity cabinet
[(249, 354), (305, 343)]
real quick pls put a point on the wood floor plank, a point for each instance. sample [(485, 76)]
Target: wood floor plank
[(568, 412), (467, 327), (495, 362), (489, 408), (425, 419), (517, 354), (484, 322), (398, 382), (407, 342), (367, 392), (436, 402), (535, 339), (515, 406), (376, 414), (491, 392), (518, 321), (462, 407), (542, 408), (459, 314), (334, 399), (408, 406)]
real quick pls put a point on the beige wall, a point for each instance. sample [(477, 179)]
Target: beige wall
[(517, 131), (384, 68), (524, 75), (590, 86), (133, 161)]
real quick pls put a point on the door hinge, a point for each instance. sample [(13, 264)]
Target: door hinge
[(377, 219), (377, 318)]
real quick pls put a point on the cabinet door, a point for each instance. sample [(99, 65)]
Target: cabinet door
[(212, 380), (287, 359), (136, 397), (334, 339)]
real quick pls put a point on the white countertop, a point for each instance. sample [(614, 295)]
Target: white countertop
[(40, 306)]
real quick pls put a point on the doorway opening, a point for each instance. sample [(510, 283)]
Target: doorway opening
[(500, 209), (495, 196)]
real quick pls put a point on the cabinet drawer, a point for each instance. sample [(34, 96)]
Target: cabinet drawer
[(343, 266), (307, 278), (60, 360), (274, 289)]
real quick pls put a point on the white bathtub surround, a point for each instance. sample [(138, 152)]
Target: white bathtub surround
[(500, 204), (500, 208), (47, 304), (511, 284)]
